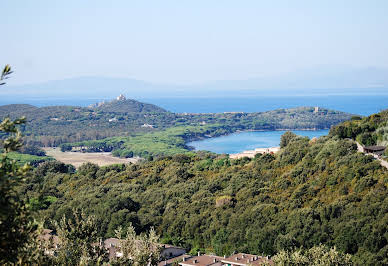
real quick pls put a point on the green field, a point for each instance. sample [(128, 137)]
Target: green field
[(168, 142), (27, 158)]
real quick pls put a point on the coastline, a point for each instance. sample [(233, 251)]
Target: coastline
[(252, 130), (281, 129), (252, 153), (205, 137)]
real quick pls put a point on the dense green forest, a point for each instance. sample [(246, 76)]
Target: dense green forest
[(311, 192), (54, 125)]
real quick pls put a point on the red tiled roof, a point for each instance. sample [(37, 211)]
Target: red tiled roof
[(203, 260), (172, 260), (245, 259)]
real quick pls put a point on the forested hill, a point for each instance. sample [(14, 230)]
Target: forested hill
[(129, 106), (16, 110), (371, 130), (54, 125), (311, 192)]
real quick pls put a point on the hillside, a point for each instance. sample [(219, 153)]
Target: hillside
[(129, 106), (311, 192), (16, 110), (372, 130)]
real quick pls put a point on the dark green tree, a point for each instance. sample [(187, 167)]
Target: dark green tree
[(16, 224), (286, 138), (77, 235), (17, 229), (317, 255)]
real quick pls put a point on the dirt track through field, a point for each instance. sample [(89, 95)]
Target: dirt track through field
[(78, 158)]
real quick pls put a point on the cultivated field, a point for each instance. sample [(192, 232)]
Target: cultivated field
[(78, 158)]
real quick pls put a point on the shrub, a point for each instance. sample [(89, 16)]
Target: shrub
[(286, 138), (53, 167), (33, 150), (367, 138), (318, 255), (88, 169), (223, 200), (65, 147)]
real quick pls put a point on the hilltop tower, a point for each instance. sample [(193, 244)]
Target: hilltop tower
[(121, 98)]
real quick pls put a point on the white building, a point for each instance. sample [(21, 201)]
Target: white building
[(121, 98)]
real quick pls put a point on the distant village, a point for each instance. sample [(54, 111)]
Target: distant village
[(169, 254)]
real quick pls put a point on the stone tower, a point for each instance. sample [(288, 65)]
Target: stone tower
[(121, 98)]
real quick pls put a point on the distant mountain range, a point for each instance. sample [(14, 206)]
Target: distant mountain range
[(322, 80)]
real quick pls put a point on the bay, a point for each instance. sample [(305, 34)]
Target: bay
[(248, 140)]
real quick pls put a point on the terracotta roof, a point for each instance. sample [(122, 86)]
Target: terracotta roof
[(203, 260), (172, 260), (245, 259)]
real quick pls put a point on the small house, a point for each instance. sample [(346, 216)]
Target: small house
[(202, 260), (378, 150), (174, 261), (242, 259)]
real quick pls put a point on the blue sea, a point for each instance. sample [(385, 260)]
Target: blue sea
[(242, 141), (355, 104)]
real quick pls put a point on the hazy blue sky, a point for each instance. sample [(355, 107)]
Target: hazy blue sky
[(188, 41)]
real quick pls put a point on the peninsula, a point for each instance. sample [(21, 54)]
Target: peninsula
[(130, 128)]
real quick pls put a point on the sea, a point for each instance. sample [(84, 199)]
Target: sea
[(249, 140), (355, 104)]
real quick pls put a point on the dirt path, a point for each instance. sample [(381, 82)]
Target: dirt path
[(78, 158), (383, 163)]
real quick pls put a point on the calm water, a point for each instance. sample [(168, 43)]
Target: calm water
[(355, 104), (242, 141)]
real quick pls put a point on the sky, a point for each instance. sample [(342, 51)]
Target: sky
[(185, 42)]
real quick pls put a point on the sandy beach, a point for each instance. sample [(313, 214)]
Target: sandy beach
[(252, 153)]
